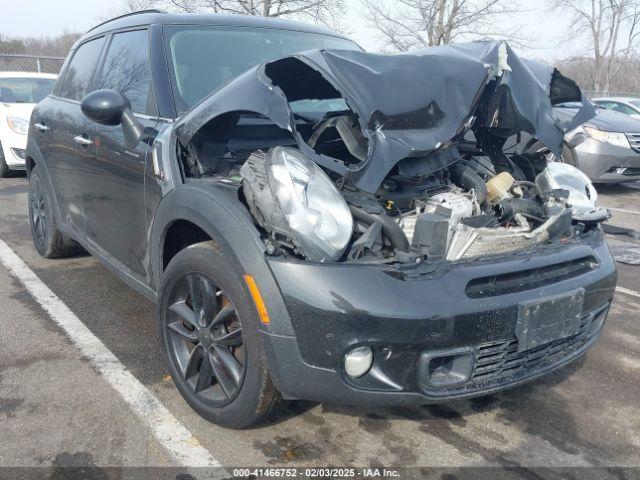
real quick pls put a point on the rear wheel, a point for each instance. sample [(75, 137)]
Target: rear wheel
[(4, 168), (47, 238), (208, 329)]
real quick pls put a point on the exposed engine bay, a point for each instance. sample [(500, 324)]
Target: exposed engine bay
[(406, 178), (462, 212)]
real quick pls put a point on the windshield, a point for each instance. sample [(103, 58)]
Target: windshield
[(203, 58), (24, 90)]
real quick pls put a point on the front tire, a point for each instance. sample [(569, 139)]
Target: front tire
[(208, 326), (47, 238)]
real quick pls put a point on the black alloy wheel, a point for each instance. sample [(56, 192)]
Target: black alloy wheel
[(47, 237), (206, 340), (38, 213), (210, 334)]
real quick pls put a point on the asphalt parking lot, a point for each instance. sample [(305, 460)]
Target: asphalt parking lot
[(57, 409)]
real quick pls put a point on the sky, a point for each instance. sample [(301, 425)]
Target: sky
[(545, 33)]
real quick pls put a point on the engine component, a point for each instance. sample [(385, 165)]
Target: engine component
[(582, 194), (469, 242), (390, 229), (369, 243), (483, 166), (461, 206), (508, 208), (499, 186), (403, 191), (458, 205), (431, 234), (290, 195), (465, 176)]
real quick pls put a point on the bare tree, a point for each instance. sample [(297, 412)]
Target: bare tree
[(326, 12), (409, 24), (51, 46), (613, 27), (625, 81), (129, 6)]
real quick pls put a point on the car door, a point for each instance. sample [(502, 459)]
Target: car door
[(56, 122), (113, 190)]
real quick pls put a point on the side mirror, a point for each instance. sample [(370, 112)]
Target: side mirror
[(105, 106), (110, 107)]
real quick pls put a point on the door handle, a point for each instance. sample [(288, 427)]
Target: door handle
[(82, 140), (41, 127)]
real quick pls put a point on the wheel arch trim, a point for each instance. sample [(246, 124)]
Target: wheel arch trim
[(216, 210)]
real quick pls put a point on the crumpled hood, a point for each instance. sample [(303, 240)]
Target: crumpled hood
[(408, 105)]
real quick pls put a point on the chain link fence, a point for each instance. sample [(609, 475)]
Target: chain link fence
[(612, 93), (30, 63)]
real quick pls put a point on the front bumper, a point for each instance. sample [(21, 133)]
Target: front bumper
[(601, 161), (405, 315), (15, 154)]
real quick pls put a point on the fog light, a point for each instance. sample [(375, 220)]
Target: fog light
[(599, 319), (19, 153), (358, 361), (443, 369)]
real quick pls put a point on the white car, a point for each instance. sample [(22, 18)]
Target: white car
[(19, 93), (627, 105)]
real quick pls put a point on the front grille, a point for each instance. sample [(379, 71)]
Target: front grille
[(634, 140), (499, 364), (522, 280), (501, 360), (629, 171)]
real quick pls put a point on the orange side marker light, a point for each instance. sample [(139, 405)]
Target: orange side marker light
[(257, 299)]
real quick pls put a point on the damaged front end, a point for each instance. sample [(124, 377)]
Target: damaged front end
[(345, 156), (416, 257)]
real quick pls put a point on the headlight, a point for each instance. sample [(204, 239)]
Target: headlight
[(614, 138), (302, 202), (18, 125), (582, 194)]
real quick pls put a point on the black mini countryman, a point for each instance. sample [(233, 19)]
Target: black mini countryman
[(317, 222)]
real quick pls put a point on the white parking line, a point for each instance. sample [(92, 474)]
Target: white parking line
[(629, 362), (174, 437), (626, 291)]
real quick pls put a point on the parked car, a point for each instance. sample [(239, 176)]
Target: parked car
[(606, 148), (19, 92), (307, 220), (627, 105)]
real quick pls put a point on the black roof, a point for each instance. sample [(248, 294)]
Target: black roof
[(151, 17)]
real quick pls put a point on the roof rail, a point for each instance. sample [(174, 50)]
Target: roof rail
[(151, 10)]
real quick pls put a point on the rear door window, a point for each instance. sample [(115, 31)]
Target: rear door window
[(77, 78), (127, 69)]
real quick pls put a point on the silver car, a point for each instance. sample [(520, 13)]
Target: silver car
[(627, 105), (606, 148)]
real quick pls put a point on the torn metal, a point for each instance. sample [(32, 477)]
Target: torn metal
[(410, 108), (403, 159)]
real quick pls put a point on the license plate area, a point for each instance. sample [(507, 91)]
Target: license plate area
[(544, 320)]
